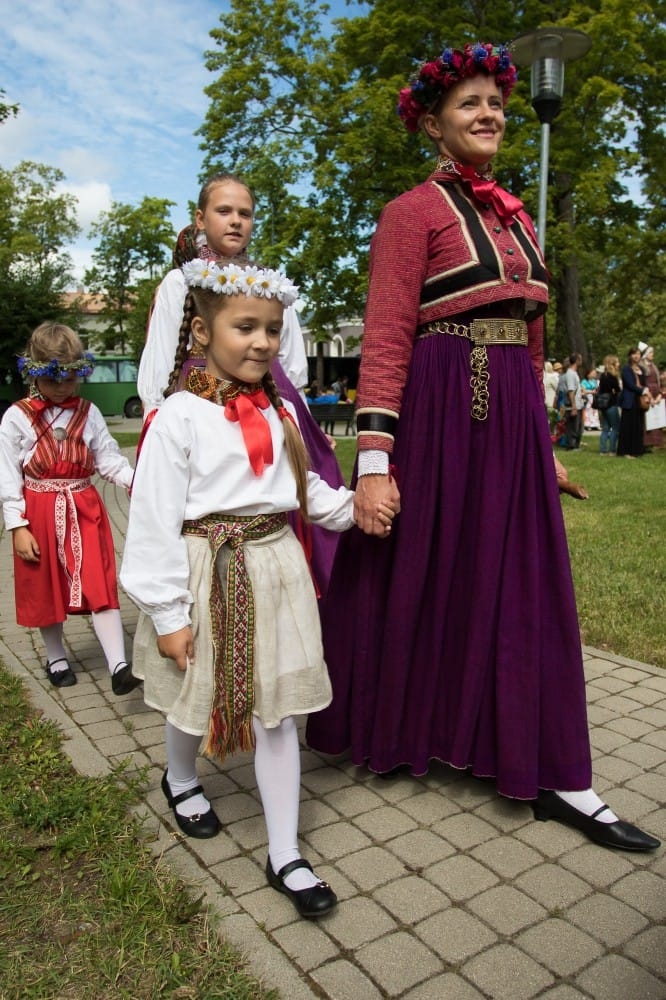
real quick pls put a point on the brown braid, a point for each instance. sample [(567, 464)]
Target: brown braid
[(293, 442), (183, 344)]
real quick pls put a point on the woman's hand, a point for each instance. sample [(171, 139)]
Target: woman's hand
[(25, 544), (376, 502), (177, 646)]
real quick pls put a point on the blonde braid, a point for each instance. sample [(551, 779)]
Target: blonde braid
[(297, 454), (183, 344)]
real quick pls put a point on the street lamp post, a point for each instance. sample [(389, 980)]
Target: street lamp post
[(547, 50)]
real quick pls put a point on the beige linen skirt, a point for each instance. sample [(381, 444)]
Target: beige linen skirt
[(290, 675)]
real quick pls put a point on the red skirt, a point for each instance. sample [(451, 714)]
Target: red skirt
[(43, 590)]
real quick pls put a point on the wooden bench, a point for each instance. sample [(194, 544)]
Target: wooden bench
[(329, 414)]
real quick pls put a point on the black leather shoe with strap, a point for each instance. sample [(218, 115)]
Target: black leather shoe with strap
[(619, 834), (201, 825), (60, 678), (123, 680), (316, 901)]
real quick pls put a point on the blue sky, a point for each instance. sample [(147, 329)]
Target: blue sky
[(112, 94)]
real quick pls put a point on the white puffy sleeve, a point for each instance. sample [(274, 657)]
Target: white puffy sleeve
[(292, 355), (159, 351)]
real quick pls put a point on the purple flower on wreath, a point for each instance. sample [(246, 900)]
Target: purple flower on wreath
[(434, 78), (58, 370)]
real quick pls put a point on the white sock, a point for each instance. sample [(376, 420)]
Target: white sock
[(277, 766), (588, 802), (182, 749), (108, 628), (52, 639)]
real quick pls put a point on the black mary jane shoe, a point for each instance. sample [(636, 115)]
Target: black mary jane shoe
[(316, 901), (123, 680), (619, 834), (200, 825), (61, 678)]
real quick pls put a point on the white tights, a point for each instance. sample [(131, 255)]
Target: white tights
[(277, 766), (108, 628)]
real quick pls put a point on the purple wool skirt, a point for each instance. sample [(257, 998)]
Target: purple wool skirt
[(457, 639), (323, 543)]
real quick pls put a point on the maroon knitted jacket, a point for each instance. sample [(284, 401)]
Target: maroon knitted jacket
[(439, 254)]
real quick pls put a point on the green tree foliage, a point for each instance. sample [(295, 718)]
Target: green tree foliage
[(134, 243), (305, 110), (36, 222), (7, 110)]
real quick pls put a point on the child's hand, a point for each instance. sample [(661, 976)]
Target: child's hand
[(385, 515), (376, 502), (178, 646), (25, 544)]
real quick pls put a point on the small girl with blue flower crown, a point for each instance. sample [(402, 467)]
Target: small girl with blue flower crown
[(230, 641), (51, 444)]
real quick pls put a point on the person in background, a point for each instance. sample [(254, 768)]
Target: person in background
[(51, 444), (550, 381), (573, 404), (652, 438), (630, 439), (339, 387), (460, 641), (609, 386), (589, 387)]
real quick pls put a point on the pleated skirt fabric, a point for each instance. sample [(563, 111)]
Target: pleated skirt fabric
[(457, 639)]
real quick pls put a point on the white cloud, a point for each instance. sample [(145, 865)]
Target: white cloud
[(92, 197)]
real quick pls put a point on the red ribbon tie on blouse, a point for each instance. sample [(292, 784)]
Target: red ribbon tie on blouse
[(488, 191), (256, 431)]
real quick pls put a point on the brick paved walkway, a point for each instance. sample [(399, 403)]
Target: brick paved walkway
[(446, 890)]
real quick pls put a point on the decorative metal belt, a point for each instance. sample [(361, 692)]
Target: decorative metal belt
[(64, 502), (480, 332)]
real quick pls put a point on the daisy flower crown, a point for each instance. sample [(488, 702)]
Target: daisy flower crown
[(230, 279), (58, 370), (436, 77)]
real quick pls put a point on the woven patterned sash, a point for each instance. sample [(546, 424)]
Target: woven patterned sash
[(232, 627), (64, 506)]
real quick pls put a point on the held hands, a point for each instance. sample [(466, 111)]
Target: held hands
[(376, 502), (177, 646), (25, 544)]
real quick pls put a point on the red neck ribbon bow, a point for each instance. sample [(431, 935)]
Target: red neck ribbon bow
[(488, 191), (256, 431)]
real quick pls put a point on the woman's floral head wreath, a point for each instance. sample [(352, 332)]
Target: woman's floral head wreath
[(230, 279), (58, 370), (436, 77)]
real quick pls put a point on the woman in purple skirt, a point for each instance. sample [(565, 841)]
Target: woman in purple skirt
[(456, 637)]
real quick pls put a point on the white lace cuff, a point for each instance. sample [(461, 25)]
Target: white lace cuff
[(373, 462)]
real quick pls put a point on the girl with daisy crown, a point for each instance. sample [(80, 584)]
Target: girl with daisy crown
[(220, 233), (230, 642)]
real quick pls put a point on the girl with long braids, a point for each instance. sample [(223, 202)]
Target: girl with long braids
[(231, 648)]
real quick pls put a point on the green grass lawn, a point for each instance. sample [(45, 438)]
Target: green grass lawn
[(86, 911)]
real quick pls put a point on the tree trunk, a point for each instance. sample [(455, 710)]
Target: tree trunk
[(320, 365), (569, 325)]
